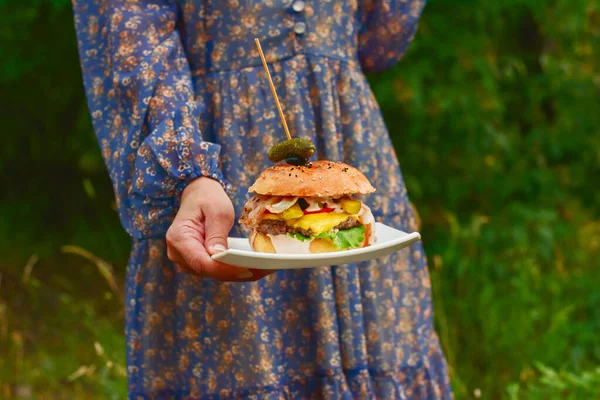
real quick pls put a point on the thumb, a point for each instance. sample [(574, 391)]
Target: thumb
[(218, 223)]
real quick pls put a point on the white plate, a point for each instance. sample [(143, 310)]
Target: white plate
[(389, 240)]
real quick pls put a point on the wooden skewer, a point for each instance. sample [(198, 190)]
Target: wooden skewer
[(262, 56)]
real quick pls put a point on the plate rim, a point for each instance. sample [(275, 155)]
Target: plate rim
[(408, 237)]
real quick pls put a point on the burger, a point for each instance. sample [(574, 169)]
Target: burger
[(311, 208)]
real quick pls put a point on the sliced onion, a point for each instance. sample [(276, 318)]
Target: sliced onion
[(281, 205), (314, 206)]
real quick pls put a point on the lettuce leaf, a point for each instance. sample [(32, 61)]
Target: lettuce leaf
[(350, 238), (343, 239), (346, 238), (299, 236)]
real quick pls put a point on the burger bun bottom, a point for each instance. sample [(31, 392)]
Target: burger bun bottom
[(262, 244)]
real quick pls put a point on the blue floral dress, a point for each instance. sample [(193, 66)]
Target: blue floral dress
[(177, 91)]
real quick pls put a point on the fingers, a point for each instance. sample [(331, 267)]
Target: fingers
[(190, 256), (258, 274), (200, 229), (209, 268), (218, 221)]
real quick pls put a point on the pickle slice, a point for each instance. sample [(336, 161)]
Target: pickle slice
[(292, 213), (296, 147), (351, 206)]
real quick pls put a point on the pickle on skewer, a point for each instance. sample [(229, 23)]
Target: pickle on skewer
[(295, 151)]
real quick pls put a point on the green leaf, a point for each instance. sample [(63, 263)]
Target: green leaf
[(342, 239), (299, 236), (349, 238), (324, 235)]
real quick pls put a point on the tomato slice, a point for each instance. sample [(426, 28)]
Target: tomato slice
[(322, 210)]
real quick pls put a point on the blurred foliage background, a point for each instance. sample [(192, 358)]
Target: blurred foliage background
[(495, 113)]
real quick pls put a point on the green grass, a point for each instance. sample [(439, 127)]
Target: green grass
[(61, 331)]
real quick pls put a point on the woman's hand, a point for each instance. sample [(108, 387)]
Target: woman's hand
[(200, 230)]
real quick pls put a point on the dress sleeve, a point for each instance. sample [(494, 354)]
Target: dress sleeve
[(387, 28), (144, 112)]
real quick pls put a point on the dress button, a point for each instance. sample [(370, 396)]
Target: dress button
[(298, 6), (300, 28)]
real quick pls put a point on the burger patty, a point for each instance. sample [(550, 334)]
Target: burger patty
[(272, 227), (275, 227), (347, 224)]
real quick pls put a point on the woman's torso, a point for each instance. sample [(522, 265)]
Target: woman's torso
[(312, 51), (218, 35)]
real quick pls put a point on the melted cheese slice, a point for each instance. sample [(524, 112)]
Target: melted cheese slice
[(319, 223)]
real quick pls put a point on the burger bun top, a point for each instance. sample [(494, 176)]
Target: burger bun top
[(316, 179)]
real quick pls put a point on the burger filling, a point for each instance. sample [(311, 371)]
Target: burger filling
[(340, 222), (277, 227)]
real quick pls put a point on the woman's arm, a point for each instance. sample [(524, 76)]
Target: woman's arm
[(144, 111), (388, 27)]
